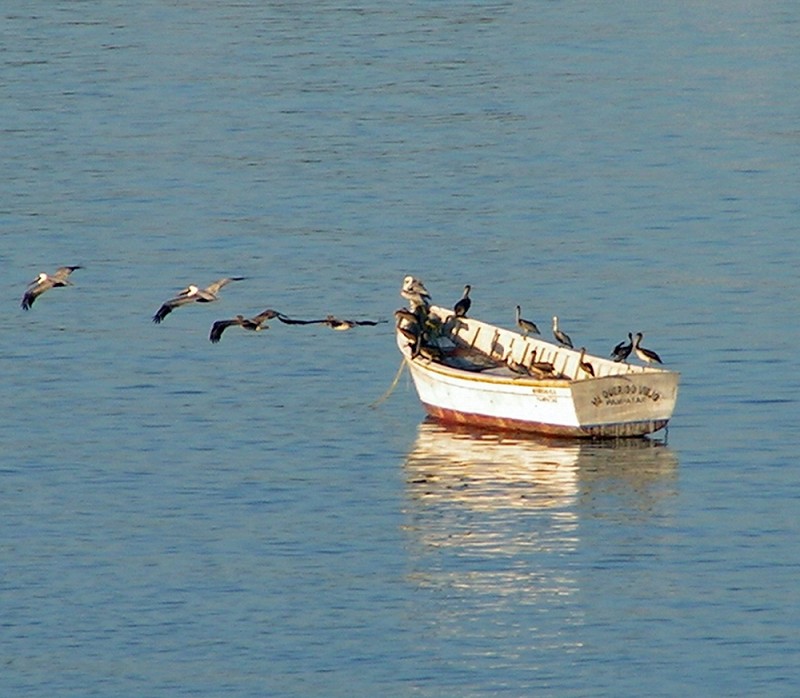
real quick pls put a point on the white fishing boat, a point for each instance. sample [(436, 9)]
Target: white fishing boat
[(471, 372)]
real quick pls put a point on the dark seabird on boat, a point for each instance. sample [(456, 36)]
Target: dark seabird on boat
[(622, 351), (193, 294), (463, 304), (44, 282), (254, 324), (561, 337), (525, 325), (646, 355)]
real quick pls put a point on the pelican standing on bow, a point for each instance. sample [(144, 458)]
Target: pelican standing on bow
[(44, 282), (646, 355), (561, 337), (254, 324), (526, 325), (463, 304), (193, 294)]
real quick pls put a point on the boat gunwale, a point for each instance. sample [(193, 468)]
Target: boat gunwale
[(629, 373)]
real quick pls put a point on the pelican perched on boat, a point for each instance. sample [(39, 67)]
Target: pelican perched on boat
[(414, 291), (622, 351), (405, 315), (585, 366), (193, 294), (561, 337), (463, 304), (44, 282), (526, 325), (646, 355), (255, 324)]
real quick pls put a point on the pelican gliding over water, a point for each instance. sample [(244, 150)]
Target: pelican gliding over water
[(45, 282), (255, 324), (193, 294), (561, 337), (336, 324)]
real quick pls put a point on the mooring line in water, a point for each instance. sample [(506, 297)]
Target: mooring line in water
[(392, 386)]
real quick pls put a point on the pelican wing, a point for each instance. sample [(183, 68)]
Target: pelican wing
[(60, 277), (168, 306), (290, 321), (218, 328), (34, 292), (214, 288), (267, 314)]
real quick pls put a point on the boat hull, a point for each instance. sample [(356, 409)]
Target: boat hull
[(622, 401)]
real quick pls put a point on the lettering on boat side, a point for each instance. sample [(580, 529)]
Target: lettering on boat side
[(625, 394), (545, 394)]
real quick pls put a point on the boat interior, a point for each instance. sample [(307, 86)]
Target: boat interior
[(470, 345)]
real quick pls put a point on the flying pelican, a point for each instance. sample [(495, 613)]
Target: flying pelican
[(336, 324), (45, 282), (585, 365), (561, 337), (331, 321), (291, 321), (526, 325), (255, 324), (646, 355), (462, 306), (622, 351), (193, 294), (414, 291)]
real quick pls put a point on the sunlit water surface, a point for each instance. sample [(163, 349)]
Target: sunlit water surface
[(241, 519)]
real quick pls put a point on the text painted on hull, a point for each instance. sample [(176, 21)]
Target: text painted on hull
[(626, 394)]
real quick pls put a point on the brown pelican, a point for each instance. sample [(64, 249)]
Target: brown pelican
[(646, 355), (516, 366), (336, 324), (585, 365), (44, 282), (542, 367), (622, 351), (561, 337), (406, 315), (193, 294), (255, 324), (414, 291), (290, 321), (331, 321), (462, 305), (526, 325)]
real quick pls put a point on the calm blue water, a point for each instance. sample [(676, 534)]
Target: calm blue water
[(182, 518)]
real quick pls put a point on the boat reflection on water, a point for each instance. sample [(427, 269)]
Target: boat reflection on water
[(503, 512), (491, 470)]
